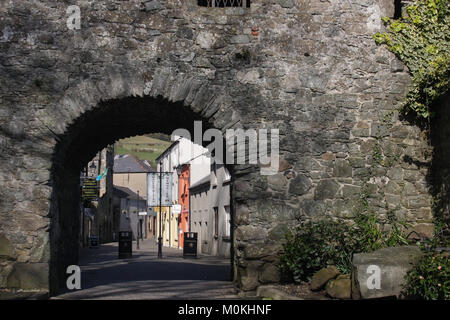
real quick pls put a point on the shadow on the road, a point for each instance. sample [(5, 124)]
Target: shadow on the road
[(177, 290), (103, 275)]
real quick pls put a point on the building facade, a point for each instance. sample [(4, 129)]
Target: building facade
[(188, 163), (210, 212), (183, 199), (97, 215), (131, 173), (129, 204)]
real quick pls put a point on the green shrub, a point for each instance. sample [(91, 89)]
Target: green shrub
[(429, 278), (314, 245)]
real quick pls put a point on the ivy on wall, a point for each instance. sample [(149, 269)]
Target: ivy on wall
[(421, 39)]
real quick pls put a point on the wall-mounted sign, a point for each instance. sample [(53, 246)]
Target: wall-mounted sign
[(142, 213), (89, 189), (176, 208), (153, 189)]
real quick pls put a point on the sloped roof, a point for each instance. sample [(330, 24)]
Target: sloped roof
[(124, 192), (130, 164), (163, 154)]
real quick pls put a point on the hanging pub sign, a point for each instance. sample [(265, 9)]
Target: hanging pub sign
[(153, 189), (89, 189)]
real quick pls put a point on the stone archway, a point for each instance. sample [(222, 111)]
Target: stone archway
[(319, 78), (103, 124)]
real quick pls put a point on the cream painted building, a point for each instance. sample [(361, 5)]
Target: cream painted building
[(130, 172), (181, 152)]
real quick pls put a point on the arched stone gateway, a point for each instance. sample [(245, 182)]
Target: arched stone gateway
[(96, 128), (310, 70)]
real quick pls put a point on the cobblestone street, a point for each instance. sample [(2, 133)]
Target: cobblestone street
[(144, 276)]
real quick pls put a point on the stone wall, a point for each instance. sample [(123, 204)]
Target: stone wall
[(308, 68)]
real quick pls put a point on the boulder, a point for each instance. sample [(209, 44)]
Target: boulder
[(321, 277), (339, 288), (381, 273)]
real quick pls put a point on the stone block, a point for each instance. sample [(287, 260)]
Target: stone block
[(312, 208), (321, 277), (240, 39), (152, 5), (380, 274), (277, 182), (326, 189), (300, 185), (278, 232), (272, 292), (339, 288), (206, 39), (270, 274), (349, 191), (29, 276), (6, 248), (287, 3), (342, 168), (284, 165), (249, 276), (250, 233), (395, 173)]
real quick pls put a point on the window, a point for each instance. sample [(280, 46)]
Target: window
[(397, 9), (216, 222), (227, 221), (224, 3)]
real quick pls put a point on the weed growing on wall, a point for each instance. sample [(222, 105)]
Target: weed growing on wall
[(420, 38)]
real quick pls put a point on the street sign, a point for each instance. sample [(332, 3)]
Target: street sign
[(153, 189), (90, 190), (176, 208), (142, 213)]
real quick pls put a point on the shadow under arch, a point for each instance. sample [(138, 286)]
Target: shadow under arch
[(93, 130)]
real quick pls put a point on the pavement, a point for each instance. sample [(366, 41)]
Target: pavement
[(144, 276)]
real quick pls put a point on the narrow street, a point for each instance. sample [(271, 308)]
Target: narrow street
[(144, 276)]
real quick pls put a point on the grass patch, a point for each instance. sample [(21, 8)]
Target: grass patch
[(146, 147)]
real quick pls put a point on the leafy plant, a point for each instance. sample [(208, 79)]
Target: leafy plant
[(429, 278), (314, 245), (421, 40)]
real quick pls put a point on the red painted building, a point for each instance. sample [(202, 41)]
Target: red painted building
[(183, 200)]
